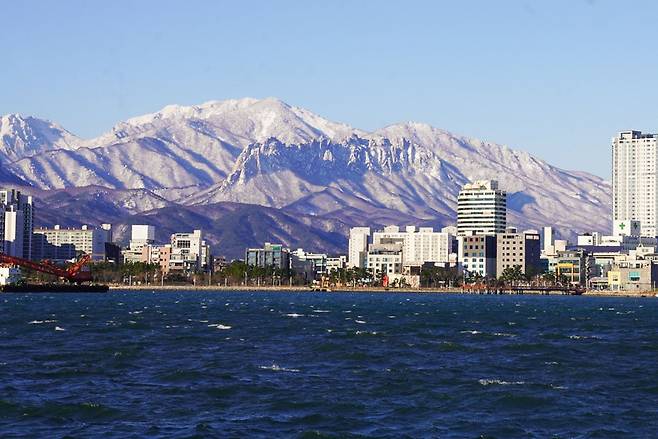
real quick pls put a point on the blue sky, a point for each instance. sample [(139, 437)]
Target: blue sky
[(554, 78)]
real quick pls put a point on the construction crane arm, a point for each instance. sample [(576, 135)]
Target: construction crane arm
[(72, 274)]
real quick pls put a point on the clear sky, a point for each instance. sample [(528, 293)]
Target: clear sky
[(554, 78)]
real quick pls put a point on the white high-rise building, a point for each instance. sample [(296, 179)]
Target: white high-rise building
[(358, 246), (16, 223), (481, 209), (635, 180)]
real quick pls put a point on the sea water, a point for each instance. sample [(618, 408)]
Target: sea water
[(254, 364)]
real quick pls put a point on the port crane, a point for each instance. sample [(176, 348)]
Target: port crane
[(73, 273)]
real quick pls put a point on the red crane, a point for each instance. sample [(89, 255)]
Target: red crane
[(73, 274)]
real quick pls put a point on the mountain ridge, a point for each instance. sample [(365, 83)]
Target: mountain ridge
[(268, 153)]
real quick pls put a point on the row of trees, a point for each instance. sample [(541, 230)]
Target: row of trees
[(239, 273)]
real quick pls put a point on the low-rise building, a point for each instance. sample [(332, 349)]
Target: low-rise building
[(309, 265), (633, 275), (419, 244), (336, 263), (385, 258), (141, 236), (573, 266), (189, 252), (517, 249), (477, 255), (270, 255), (159, 255)]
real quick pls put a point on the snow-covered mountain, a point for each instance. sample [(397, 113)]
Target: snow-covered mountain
[(28, 136), (268, 153)]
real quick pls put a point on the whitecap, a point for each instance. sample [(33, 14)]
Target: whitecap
[(360, 321), (584, 337), (321, 310), (470, 332), (294, 315), (277, 368), (35, 322), (57, 328), (487, 382), (503, 334)]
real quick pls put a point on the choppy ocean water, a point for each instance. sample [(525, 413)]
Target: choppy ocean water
[(189, 364)]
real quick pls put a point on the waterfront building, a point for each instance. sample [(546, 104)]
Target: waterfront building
[(517, 249), (189, 252), (385, 258), (62, 244), (309, 265), (336, 263), (636, 274), (358, 246), (16, 223), (477, 255), (481, 208), (159, 255), (185, 253), (635, 180), (419, 245), (219, 263), (270, 255), (141, 236), (572, 266)]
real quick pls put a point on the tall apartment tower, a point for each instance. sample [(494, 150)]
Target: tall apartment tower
[(16, 223), (481, 209), (635, 180)]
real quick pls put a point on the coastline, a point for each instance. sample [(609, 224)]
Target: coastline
[(302, 289)]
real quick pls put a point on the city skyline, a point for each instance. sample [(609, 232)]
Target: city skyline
[(520, 73)]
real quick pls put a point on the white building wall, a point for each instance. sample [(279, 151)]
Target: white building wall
[(418, 245), (635, 179), (13, 242), (481, 208), (358, 246)]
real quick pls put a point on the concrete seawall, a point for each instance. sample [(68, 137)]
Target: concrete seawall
[(301, 289)]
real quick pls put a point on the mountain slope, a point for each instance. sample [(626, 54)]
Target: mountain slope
[(270, 154), (22, 137)]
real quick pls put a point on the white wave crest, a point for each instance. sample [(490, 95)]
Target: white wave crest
[(277, 368), (488, 382)]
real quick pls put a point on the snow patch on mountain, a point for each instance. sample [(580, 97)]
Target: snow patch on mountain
[(26, 136)]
